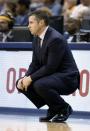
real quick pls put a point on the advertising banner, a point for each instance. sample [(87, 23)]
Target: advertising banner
[(13, 64)]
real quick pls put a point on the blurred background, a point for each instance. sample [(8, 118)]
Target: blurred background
[(69, 17)]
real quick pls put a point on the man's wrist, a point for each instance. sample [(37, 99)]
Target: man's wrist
[(30, 78)]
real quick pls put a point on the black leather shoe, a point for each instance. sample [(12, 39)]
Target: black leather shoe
[(49, 116), (63, 116)]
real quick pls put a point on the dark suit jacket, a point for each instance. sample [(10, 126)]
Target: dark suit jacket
[(54, 57)]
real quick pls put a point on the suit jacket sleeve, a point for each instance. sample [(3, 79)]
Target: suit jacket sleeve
[(34, 64), (55, 54)]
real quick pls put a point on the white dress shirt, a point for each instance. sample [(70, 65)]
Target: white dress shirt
[(43, 35)]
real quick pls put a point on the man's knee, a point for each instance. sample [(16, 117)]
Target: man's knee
[(39, 86)]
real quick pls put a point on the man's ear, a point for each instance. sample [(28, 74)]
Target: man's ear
[(41, 22)]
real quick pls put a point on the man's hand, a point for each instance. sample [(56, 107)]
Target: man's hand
[(20, 84), (26, 82)]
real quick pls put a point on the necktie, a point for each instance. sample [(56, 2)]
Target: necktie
[(39, 42)]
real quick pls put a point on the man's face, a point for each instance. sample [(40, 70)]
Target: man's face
[(3, 26), (35, 26)]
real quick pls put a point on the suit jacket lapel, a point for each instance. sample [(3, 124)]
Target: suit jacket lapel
[(45, 43), (41, 50), (46, 39)]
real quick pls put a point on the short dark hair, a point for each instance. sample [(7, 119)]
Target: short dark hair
[(41, 15)]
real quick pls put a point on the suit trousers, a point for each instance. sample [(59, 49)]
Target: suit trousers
[(47, 91)]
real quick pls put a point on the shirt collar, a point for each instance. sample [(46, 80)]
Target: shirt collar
[(43, 33)]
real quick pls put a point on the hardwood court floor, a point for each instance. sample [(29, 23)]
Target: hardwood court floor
[(31, 123)]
